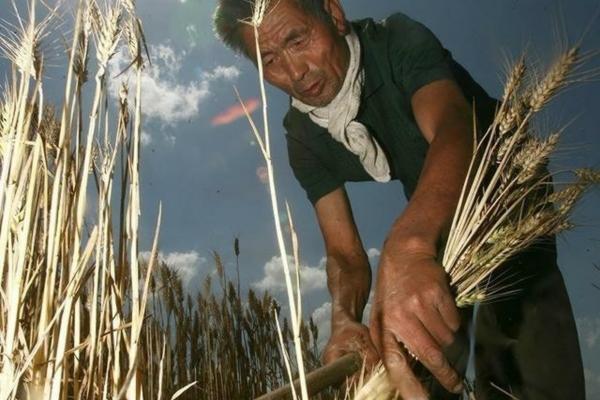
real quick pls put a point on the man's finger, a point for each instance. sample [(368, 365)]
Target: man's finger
[(437, 327), (430, 354), (449, 313), (372, 356), (375, 332), (397, 364)]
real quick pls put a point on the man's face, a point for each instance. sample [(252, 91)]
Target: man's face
[(302, 55)]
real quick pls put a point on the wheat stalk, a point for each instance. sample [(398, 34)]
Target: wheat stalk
[(260, 8), (64, 324)]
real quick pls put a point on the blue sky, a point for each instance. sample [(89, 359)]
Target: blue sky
[(208, 177)]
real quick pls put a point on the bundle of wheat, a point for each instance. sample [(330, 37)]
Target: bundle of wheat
[(507, 203)]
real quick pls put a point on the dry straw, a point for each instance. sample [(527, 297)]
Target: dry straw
[(260, 9), (506, 204), (72, 310), (81, 315), (226, 343)]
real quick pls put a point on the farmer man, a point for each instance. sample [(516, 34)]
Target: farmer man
[(382, 101)]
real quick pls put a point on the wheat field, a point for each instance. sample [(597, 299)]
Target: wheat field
[(82, 314)]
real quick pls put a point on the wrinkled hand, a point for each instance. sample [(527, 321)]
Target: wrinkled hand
[(413, 309), (347, 338)]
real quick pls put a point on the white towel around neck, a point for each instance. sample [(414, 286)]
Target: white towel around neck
[(338, 117)]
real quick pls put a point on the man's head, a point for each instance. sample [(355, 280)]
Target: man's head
[(301, 42)]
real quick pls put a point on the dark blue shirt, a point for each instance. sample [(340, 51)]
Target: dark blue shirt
[(399, 56)]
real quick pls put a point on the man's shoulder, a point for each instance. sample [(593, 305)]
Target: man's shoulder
[(395, 26), (395, 41), (399, 21), (292, 120)]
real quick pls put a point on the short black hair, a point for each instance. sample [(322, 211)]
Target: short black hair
[(229, 13)]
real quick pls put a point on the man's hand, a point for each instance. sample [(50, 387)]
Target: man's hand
[(347, 338), (414, 310), (413, 305)]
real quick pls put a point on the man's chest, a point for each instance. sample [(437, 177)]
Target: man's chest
[(387, 114)]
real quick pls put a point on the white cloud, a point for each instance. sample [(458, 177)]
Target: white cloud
[(311, 278), (373, 253), (367, 310), (192, 32), (146, 138), (170, 139), (165, 97), (188, 265), (222, 72), (322, 313), (322, 319), (169, 59)]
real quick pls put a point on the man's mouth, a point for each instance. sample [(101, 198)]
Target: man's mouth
[(313, 89)]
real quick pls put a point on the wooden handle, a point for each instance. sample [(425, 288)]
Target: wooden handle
[(321, 378)]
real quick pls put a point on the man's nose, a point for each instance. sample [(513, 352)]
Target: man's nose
[(296, 67)]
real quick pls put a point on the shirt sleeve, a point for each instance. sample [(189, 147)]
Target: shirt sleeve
[(416, 55), (314, 177)]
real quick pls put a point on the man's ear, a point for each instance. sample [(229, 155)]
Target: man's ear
[(338, 18)]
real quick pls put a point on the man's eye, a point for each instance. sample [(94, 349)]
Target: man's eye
[(299, 41)]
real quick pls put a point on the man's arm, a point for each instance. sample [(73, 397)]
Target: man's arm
[(413, 304), (348, 278)]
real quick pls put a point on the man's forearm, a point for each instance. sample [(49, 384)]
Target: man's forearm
[(349, 282), (428, 216)]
